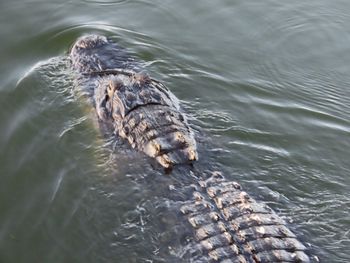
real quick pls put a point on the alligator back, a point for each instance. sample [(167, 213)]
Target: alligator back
[(141, 109), (229, 225)]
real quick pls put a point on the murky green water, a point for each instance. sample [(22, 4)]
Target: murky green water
[(266, 85)]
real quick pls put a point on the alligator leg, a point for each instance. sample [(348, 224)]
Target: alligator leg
[(232, 227)]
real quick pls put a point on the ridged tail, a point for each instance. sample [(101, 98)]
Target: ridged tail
[(232, 227)]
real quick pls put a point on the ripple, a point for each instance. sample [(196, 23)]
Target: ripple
[(267, 148), (72, 124), (301, 112), (307, 39), (134, 40), (106, 2), (19, 118), (90, 28)]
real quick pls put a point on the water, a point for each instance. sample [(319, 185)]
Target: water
[(265, 85)]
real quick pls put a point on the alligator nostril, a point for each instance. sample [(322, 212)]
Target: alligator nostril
[(91, 41)]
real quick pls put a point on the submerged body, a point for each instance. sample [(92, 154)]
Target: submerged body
[(228, 224)]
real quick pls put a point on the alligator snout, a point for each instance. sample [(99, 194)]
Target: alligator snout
[(89, 42)]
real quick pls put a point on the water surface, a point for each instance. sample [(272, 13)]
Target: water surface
[(265, 85)]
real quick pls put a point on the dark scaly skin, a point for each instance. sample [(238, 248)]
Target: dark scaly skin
[(232, 227), (229, 225), (141, 109)]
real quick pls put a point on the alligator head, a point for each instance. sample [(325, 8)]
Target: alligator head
[(142, 109)]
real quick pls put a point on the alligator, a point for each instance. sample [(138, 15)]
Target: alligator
[(227, 223)]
